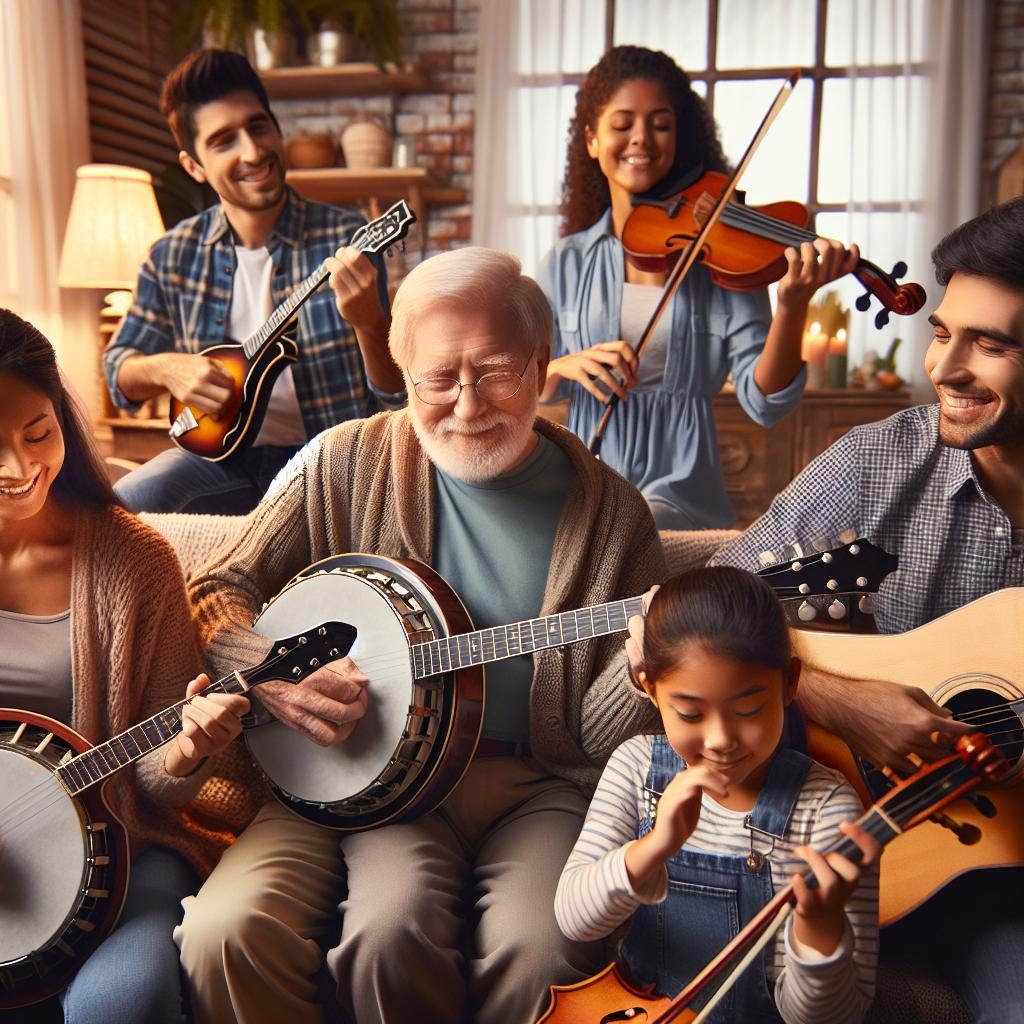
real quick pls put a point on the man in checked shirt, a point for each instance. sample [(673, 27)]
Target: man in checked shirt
[(218, 276), (942, 487)]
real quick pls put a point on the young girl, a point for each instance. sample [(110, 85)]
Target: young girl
[(639, 126), (691, 832), (96, 632)]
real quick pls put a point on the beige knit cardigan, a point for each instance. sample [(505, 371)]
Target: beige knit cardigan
[(133, 652), (367, 486)]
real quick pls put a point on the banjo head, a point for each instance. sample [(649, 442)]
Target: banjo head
[(323, 775), (44, 856), (418, 736)]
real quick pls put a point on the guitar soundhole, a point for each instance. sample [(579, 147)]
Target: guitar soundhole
[(991, 713)]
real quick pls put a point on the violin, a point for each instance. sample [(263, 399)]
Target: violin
[(745, 248), (608, 997)]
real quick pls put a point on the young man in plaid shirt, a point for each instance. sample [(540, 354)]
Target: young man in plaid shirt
[(219, 275)]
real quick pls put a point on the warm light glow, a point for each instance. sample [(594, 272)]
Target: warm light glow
[(113, 222)]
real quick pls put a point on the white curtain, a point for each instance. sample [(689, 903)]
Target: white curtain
[(910, 141), (47, 126)]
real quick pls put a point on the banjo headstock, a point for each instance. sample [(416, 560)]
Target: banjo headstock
[(295, 657)]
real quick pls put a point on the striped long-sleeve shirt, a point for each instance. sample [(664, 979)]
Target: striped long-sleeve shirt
[(595, 894)]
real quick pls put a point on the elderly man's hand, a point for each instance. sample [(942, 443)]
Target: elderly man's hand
[(325, 706), (635, 639)]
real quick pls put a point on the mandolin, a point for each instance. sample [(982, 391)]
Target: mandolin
[(257, 362)]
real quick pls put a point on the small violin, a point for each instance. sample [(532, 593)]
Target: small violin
[(608, 997), (745, 248)]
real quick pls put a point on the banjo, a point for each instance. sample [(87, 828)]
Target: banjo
[(415, 641), (63, 853)]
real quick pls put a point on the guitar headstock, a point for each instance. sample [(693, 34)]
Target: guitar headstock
[(295, 657), (854, 568), (390, 227)]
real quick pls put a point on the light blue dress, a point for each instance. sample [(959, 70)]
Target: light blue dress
[(663, 438)]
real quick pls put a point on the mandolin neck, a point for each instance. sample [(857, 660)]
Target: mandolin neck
[(278, 320)]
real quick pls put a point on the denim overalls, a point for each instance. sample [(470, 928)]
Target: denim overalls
[(711, 896)]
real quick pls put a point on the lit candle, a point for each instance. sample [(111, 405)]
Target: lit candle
[(815, 349), (837, 360)]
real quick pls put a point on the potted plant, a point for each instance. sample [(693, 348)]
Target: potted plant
[(374, 23), (266, 28)]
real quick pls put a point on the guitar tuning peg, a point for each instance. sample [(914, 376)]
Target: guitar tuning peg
[(821, 543), (766, 558), (837, 610), (791, 551), (806, 612), (846, 537), (866, 605), (899, 268)]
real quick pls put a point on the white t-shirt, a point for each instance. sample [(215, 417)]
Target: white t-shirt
[(251, 306)]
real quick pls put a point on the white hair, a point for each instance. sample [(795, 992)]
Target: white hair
[(472, 278)]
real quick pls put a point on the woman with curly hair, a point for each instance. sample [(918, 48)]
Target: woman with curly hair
[(639, 127)]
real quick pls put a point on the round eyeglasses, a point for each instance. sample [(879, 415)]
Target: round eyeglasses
[(495, 386)]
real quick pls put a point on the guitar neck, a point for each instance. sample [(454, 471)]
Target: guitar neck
[(280, 317), (500, 642), (99, 762)]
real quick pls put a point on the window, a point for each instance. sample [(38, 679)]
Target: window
[(849, 145)]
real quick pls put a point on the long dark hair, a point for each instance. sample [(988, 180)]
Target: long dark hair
[(585, 194), (724, 610), (26, 354)]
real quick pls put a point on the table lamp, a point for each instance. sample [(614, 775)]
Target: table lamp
[(113, 222)]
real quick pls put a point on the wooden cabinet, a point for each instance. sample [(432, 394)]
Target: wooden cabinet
[(757, 463)]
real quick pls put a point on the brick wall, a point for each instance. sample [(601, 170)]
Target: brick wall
[(440, 38), (1004, 129)]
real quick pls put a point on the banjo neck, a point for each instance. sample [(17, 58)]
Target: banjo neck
[(99, 762), (499, 642)]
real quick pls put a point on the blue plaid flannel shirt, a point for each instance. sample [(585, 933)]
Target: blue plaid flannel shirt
[(897, 484), (183, 297)]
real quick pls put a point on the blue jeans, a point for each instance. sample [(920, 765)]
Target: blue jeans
[(178, 481)]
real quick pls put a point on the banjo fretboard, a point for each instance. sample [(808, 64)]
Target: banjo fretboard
[(499, 642)]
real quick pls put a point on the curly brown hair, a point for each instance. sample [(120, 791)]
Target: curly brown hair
[(585, 194)]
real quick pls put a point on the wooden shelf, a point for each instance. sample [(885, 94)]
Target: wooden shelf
[(343, 185), (342, 80)]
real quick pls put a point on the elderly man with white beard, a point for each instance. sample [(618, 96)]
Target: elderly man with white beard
[(449, 917)]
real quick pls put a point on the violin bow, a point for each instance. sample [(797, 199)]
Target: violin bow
[(693, 252)]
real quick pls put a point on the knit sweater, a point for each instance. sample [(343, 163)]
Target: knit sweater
[(368, 486), (134, 651)]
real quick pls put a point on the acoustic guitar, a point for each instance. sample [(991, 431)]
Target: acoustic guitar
[(972, 662), (256, 363)]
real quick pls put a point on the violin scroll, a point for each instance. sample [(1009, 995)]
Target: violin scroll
[(902, 299)]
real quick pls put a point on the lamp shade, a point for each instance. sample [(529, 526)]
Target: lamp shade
[(113, 222)]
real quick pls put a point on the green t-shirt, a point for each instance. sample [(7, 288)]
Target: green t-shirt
[(493, 546)]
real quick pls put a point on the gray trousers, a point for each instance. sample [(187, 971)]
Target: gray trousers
[(451, 917)]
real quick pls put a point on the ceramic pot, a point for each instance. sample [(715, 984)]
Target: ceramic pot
[(318, 149), (268, 50), (366, 144), (331, 45)]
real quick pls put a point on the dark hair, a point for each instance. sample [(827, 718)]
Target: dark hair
[(201, 78), (585, 194), (26, 354), (991, 245), (725, 610)]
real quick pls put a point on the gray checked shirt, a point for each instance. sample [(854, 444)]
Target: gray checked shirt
[(895, 483)]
